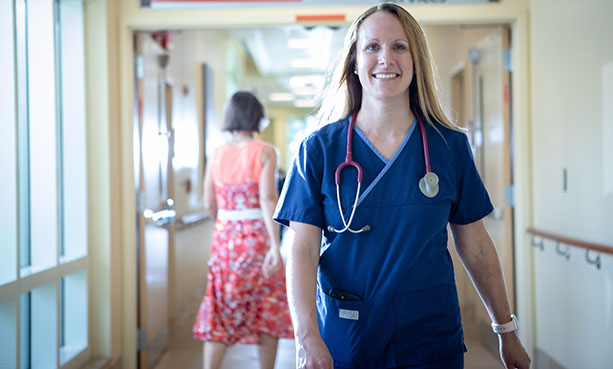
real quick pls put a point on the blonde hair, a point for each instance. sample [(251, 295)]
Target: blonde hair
[(343, 94)]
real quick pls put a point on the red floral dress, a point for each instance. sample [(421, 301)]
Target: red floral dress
[(240, 302)]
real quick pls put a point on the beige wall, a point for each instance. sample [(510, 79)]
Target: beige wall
[(571, 52)]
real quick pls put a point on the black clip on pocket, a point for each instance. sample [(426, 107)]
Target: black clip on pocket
[(343, 295)]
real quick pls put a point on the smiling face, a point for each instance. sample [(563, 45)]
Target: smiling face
[(383, 58)]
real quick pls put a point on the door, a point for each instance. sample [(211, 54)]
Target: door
[(155, 217), (493, 143), (480, 98)]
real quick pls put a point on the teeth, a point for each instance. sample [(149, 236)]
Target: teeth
[(385, 76)]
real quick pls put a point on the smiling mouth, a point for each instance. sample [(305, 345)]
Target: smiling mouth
[(386, 75)]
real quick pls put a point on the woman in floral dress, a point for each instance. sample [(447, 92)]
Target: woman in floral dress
[(245, 300)]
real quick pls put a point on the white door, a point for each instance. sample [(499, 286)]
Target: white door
[(493, 145), (481, 97)]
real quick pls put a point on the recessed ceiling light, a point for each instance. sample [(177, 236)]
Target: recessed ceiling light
[(281, 96), (305, 63), (303, 43), (305, 91), (304, 103), (311, 80)]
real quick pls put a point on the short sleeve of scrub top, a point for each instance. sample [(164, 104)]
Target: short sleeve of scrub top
[(472, 202), (304, 178)]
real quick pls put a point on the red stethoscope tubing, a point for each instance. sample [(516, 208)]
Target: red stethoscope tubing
[(349, 156), (428, 185), (424, 140)]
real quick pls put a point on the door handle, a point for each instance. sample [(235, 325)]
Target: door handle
[(161, 217)]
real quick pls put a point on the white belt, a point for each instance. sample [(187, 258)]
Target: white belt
[(243, 214)]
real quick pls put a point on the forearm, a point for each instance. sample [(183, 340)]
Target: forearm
[(301, 287), (485, 271), (211, 209), (210, 202), (478, 254), (268, 207)]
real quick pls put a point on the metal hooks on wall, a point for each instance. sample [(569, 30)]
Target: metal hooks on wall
[(538, 238), (565, 253), (540, 244), (592, 261)]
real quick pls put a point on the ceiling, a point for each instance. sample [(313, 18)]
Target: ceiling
[(291, 61)]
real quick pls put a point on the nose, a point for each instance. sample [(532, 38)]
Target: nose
[(384, 56)]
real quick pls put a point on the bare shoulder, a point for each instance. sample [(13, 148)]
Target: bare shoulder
[(269, 153)]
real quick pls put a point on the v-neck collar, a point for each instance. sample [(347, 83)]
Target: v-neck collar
[(388, 163)]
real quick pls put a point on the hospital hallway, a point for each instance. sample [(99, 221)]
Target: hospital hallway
[(111, 110)]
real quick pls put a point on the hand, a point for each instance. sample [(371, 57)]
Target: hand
[(312, 353), (272, 262), (512, 352)]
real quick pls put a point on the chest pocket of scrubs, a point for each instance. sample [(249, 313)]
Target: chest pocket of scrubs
[(343, 327)]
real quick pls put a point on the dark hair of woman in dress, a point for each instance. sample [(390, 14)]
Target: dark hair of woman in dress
[(244, 113)]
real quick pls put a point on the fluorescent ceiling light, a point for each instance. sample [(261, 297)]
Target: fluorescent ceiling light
[(306, 43), (281, 96), (305, 91), (304, 103), (305, 63), (312, 80)]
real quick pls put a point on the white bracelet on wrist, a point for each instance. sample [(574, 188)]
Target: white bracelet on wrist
[(511, 326)]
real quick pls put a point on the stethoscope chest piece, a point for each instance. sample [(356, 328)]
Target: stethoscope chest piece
[(429, 185)]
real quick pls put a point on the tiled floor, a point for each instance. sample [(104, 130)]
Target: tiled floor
[(186, 353)]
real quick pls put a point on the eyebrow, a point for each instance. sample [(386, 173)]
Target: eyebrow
[(377, 40)]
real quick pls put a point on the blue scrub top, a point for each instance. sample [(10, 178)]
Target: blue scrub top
[(401, 267)]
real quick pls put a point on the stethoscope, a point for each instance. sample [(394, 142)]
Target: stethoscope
[(428, 184)]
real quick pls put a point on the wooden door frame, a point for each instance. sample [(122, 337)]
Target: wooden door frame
[(149, 347)]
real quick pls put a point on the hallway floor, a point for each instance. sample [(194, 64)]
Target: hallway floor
[(186, 353)]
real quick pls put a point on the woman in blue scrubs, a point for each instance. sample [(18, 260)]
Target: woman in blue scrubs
[(385, 297)]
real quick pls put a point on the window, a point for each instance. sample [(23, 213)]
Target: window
[(8, 327), (8, 186), (44, 195), (73, 306), (72, 95), (42, 135)]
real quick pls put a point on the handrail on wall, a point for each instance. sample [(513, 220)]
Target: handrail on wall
[(600, 248)]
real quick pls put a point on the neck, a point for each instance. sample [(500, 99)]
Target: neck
[(240, 137), (242, 134), (385, 117)]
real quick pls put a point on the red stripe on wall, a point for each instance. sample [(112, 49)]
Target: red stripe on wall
[(320, 18)]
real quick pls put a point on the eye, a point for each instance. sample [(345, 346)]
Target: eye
[(372, 47), (400, 47)]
